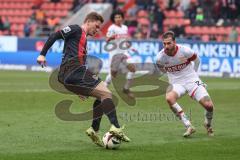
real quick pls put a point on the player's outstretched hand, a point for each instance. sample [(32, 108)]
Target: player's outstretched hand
[(41, 60)]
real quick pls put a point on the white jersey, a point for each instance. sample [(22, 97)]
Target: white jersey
[(121, 34), (179, 67)]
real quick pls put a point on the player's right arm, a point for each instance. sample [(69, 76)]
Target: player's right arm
[(110, 34), (161, 68), (51, 39), (61, 34), (160, 63), (192, 57)]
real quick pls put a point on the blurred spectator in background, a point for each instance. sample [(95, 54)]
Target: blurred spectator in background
[(120, 4), (113, 2), (55, 1), (27, 29), (199, 15), (45, 28), (233, 35), (159, 18), (40, 15), (52, 22), (143, 4), (192, 11), (216, 10), (173, 4), (184, 5), (144, 28), (131, 21), (38, 31), (138, 35), (178, 30), (232, 9), (212, 38), (98, 1), (155, 33), (145, 17), (224, 8), (207, 7), (37, 4), (224, 38), (5, 25)]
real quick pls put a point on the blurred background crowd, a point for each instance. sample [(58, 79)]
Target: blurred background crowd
[(206, 20)]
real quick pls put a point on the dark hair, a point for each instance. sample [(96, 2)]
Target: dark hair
[(169, 34), (94, 16), (116, 12)]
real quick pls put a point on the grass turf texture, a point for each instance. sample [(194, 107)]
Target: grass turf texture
[(30, 130)]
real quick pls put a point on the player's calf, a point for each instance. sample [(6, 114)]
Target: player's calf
[(207, 103)]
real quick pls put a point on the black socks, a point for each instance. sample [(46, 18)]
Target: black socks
[(108, 108), (97, 115)]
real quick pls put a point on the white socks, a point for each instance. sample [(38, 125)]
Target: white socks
[(108, 80), (179, 112), (129, 78)]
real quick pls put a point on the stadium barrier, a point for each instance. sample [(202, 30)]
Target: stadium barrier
[(217, 59)]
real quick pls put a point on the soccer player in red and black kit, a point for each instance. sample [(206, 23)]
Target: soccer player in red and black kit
[(76, 77)]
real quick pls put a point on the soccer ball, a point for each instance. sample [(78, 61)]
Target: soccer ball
[(110, 141)]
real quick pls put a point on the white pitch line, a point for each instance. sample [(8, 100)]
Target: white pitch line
[(26, 90)]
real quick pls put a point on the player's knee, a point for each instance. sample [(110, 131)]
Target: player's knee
[(131, 67), (208, 106), (114, 74), (170, 99)]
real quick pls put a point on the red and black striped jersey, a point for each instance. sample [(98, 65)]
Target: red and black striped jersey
[(75, 42)]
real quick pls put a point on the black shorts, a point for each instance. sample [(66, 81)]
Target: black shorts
[(78, 80)]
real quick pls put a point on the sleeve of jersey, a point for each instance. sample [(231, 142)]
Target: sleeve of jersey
[(68, 31), (190, 54), (110, 32), (52, 38), (159, 60)]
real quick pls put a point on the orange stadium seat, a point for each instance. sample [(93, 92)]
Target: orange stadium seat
[(205, 38), (188, 30), (193, 30)]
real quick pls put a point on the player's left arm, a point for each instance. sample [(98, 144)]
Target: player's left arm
[(110, 34), (196, 63), (192, 57), (196, 60), (160, 63)]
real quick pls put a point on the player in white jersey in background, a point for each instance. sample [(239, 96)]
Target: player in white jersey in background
[(117, 35), (181, 65)]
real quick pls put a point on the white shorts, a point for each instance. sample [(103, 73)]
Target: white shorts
[(195, 89)]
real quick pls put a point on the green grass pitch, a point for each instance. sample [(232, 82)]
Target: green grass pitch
[(30, 130)]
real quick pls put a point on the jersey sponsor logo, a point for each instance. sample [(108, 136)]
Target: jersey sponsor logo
[(178, 67), (66, 29)]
